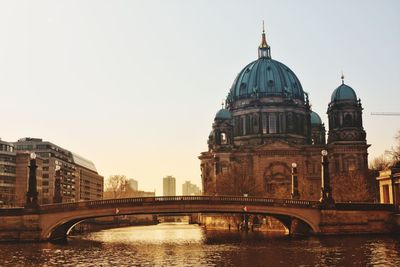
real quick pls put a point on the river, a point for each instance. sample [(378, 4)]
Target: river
[(191, 245)]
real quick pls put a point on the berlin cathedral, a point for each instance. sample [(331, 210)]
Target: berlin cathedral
[(267, 127)]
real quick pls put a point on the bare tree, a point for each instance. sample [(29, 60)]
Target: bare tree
[(237, 180), (395, 151), (118, 187), (388, 159), (115, 186), (351, 186), (381, 162)]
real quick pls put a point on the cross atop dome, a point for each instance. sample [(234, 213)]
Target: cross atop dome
[(264, 50)]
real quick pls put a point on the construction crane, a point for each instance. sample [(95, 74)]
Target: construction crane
[(386, 113)]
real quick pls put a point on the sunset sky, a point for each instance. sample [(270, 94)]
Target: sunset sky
[(134, 85)]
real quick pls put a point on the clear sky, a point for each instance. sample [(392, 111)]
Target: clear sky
[(134, 85)]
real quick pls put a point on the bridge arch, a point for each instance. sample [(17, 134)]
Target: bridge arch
[(57, 220)]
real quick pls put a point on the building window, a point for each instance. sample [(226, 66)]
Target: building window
[(272, 123), (224, 139), (385, 193), (243, 119), (270, 188), (348, 120), (248, 128), (264, 123), (235, 126), (351, 164), (282, 124), (255, 124)]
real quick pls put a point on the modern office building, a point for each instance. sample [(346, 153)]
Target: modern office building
[(133, 184), (79, 177), (189, 189), (7, 173), (169, 186), (90, 182)]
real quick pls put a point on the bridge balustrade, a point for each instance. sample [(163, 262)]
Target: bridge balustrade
[(174, 199), (212, 200)]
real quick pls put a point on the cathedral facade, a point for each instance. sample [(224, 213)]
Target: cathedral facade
[(267, 129)]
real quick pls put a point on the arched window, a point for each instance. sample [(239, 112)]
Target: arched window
[(351, 164), (224, 138), (348, 120)]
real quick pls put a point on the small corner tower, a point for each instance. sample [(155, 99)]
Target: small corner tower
[(345, 116), (221, 136), (317, 129), (346, 137)]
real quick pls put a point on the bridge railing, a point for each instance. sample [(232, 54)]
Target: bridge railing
[(140, 201), (213, 200)]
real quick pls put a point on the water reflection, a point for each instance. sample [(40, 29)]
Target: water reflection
[(189, 245)]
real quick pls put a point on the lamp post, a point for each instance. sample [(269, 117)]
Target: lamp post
[(57, 186), (32, 194), (326, 193), (295, 185)]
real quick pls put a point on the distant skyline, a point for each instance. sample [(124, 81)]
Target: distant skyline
[(134, 85)]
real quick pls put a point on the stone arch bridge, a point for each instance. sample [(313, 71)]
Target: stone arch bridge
[(51, 222)]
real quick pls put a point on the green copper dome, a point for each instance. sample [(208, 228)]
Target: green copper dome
[(223, 114), (315, 118), (343, 92), (266, 77)]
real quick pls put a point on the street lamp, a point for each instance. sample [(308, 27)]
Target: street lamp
[(326, 193), (57, 185), (295, 186), (32, 194)]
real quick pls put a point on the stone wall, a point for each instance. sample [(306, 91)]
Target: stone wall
[(356, 222), (20, 228)]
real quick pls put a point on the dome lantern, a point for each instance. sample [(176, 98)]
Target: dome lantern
[(264, 50)]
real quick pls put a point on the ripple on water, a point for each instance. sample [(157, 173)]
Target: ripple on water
[(189, 245)]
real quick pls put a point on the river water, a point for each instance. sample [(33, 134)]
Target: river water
[(191, 245)]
